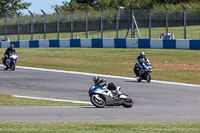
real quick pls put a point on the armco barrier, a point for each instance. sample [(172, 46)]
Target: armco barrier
[(107, 43)]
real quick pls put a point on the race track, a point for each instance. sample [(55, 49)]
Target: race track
[(153, 102)]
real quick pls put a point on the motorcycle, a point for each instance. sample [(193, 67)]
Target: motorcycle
[(101, 97), (143, 71), (11, 62)]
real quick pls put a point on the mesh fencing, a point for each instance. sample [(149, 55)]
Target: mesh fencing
[(106, 24)]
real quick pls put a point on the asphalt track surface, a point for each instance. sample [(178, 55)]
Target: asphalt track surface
[(153, 101)]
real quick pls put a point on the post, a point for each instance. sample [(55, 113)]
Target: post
[(117, 21), (149, 10), (101, 10), (185, 21), (18, 26), (32, 19), (166, 12), (132, 22), (44, 21), (86, 22), (6, 23), (72, 24), (58, 24)]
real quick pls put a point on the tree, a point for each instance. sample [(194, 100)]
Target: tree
[(10, 7)]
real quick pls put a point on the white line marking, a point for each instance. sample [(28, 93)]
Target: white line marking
[(108, 76), (52, 99)]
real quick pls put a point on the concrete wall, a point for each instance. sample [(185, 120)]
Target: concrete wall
[(107, 43)]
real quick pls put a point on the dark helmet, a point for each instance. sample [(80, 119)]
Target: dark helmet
[(142, 54), (96, 79), (111, 86)]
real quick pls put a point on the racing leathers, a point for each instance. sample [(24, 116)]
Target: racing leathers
[(9, 51), (110, 86)]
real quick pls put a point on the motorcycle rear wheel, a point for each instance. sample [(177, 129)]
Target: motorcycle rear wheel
[(127, 103), (139, 79), (6, 68), (97, 101)]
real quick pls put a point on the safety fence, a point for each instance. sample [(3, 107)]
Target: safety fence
[(116, 23), (107, 43)]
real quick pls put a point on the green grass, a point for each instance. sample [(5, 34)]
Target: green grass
[(168, 64), (8, 100), (100, 127)]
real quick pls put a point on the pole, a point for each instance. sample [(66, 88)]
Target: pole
[(18, 26), (44, 21), (101, 10), (86, 23), (58, 24), (32, 19), (166, 14), (72, 24), (117, 21), (185, 21), (6, 23), (132, 23), (149, 23)]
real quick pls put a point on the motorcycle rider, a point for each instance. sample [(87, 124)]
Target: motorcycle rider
[(9, 51), (99, 82), (139, 61)]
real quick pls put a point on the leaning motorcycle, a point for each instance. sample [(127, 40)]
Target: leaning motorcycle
[(11, 62), (101, 97), (143, 71)]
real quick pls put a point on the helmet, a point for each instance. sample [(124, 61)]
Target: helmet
[(142, 54), (11, 45), (96, 79)]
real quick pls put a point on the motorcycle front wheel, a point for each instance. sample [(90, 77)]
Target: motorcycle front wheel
[(13, 67), (127, 103), (97, 101), (148, 78)]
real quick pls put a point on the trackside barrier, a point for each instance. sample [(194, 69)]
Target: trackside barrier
[(107, 43)]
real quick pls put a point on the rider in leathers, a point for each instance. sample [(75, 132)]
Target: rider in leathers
[(99, 82), (9, 51), (140, 59)]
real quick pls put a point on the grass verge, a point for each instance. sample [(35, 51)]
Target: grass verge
[(8, 100), (99, 127)]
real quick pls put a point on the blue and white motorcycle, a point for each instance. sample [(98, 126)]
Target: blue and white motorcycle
[(143, 71), (11, 62), (101, 97)]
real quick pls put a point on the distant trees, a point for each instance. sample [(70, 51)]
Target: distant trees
[(77, 4), (105, 4), (10, 7)]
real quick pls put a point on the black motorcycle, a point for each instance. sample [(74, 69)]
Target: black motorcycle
[(143, 71), (10, 62)]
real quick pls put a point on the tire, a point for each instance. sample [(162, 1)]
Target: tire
[(127, 103), (139, 79), (6, 68), (13, 67), (148, 78), (99, 103)]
